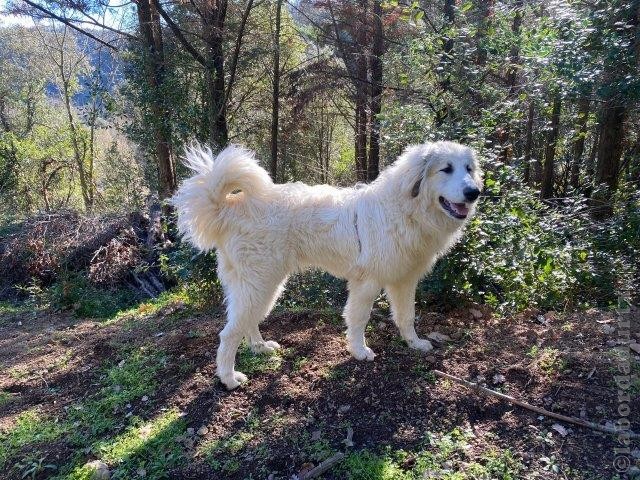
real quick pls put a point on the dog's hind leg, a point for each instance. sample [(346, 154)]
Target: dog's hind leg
[(402, 297), (256, 342), (356, 314), (246, 306)]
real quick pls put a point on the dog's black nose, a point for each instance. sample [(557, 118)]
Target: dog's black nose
[(471, 194)]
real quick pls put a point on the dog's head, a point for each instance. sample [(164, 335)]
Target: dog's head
[(448, 176)]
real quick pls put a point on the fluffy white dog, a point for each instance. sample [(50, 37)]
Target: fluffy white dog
[(383, 235)]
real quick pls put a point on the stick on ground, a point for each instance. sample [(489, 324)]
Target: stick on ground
[(323, 467), (542, 411)]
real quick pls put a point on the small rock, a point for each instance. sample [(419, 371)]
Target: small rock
[(481, 379), (498, 378), (635, 347), (475, 313), (141, 472), (100, 471), (344, 408), (189, 443), (542, 319), (145, 399), (348, 442), (203, 430), (191, 431), (121, 364), (607, 329), (560, 429), (430, 359), (19, 324), (315, 435), (439, 337)]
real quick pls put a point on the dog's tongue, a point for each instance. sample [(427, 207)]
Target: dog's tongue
[(460, 208)]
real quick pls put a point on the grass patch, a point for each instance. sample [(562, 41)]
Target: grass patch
[(221, 454), (30, 428), (76, 293), (443, 457), (133, 377), (250, 363), (146, 449), (5, 397)]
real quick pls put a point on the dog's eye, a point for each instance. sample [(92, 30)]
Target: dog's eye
[(447, 169)]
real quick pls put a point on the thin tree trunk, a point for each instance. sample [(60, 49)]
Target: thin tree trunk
[(579, 138), (373, 162), (512, 82), (149, 23), (485, 11), (446, 58), (546, 190), (612, 119), (528, 146), (214, 20), (275, 111)]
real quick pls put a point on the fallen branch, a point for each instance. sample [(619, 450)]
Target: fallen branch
[(542, 411), (323, 467)]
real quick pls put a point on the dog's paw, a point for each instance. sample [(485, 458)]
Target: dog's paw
[(362, 353), (421, 344), (234, 380), (265, 347)]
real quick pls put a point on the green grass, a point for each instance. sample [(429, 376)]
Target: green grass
[(5, 397), (128, 380), (31, 427), (222, 453), (150, 447), (443, 457), (250, 363)]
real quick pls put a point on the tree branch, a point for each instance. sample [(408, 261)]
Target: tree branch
[(69, 24), (178, 33)]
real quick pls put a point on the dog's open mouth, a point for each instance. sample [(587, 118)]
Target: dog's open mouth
[(456, 210)]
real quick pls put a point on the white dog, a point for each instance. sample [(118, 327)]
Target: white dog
[(383, 235)]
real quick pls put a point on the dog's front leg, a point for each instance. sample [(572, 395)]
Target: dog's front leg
[(356, 314), (402, 297)]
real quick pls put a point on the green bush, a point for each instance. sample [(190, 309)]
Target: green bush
[(520, 252)]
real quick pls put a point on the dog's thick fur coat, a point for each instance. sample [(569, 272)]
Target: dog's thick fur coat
[(383, 235)]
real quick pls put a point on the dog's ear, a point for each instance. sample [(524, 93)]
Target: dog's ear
[(415, 191), (426, 159)]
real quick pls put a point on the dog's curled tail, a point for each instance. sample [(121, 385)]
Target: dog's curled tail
[(201, 200)]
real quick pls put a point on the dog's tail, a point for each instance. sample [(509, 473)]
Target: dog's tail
[(202, 201)]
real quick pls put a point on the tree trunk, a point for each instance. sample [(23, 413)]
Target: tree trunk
[(612, 118), (546, 190), (578, 141), (214, 19), (275, 111), (528, 146), (485, 11), (152, 37), (361, 137), (446, 58), (512, 83), (377, 50)]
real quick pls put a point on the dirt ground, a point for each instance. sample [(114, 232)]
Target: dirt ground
[(313, 400)]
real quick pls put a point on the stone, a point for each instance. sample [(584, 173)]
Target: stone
[(498, 378), (475, 313), (635, 347), (203, 430), (439, 337), (99, 470)]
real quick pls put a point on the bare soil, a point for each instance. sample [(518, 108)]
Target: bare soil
[(562, 362)]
